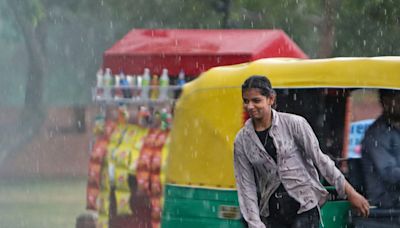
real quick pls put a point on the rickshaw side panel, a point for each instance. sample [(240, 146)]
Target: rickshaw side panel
[(200, 207), (187, 206)]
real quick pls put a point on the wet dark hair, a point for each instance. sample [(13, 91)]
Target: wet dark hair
[(258, 82), (387, 94)]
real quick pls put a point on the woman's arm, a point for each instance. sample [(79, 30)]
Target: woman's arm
[(246, 187), (328, 169), (356, 200)]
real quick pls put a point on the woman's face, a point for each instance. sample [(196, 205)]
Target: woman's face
[(257, 105)]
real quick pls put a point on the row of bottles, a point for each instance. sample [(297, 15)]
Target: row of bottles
[(159, 117), (143, 87)]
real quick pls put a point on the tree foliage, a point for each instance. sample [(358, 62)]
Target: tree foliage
[(367, 28)]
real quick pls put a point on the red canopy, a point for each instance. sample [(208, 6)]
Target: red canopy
[(195, 51)]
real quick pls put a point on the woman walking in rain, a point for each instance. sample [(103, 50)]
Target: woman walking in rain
[(275, 155)]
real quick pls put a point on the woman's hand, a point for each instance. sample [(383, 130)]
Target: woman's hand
[(359, 203), (357, 200)]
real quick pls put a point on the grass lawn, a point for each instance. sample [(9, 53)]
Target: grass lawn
[(41, 203)]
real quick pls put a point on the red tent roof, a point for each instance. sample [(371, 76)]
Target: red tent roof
[(195, 51)]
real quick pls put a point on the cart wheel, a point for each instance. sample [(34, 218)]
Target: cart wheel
[(86, 220)]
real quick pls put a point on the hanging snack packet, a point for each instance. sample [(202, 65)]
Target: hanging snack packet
[(155, 209), (121, 179), (99, 150), (155, 185), (151, 138), (105, 178), (94, 174), (143, 181), (156, 162), (102, 221), (122, 200), (160, 140), (144, 162), (133, 161), (91, 198), (109, 128), (122, 156), (137, 143), (164, 156), (117, 134), (129, 136), (140, 137), (103, 203)]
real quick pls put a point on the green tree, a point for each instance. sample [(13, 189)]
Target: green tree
[(368, 28), (301, 20), (30, 18)]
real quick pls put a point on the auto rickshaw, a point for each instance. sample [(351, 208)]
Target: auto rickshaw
[(200, 185)]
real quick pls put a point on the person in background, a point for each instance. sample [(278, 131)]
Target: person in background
[(275, 155), (381, 154)]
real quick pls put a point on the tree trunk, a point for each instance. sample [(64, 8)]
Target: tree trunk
[(225, 19), (32, 115), (223, 6), (327, 36)]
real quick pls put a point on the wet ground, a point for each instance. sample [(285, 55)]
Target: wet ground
[(41, 202)]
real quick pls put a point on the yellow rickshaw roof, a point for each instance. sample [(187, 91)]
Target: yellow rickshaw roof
[(343, 72)]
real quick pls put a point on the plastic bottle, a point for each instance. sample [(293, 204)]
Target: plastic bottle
[(181, 78), (164, 83), (123, 81), (181, 82), (107, 84), (117, 88), (154, 92), (131, 82), (145, 84), (138, 89), (99, 84)]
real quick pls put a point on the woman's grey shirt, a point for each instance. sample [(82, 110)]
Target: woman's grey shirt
[(298, 153)]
